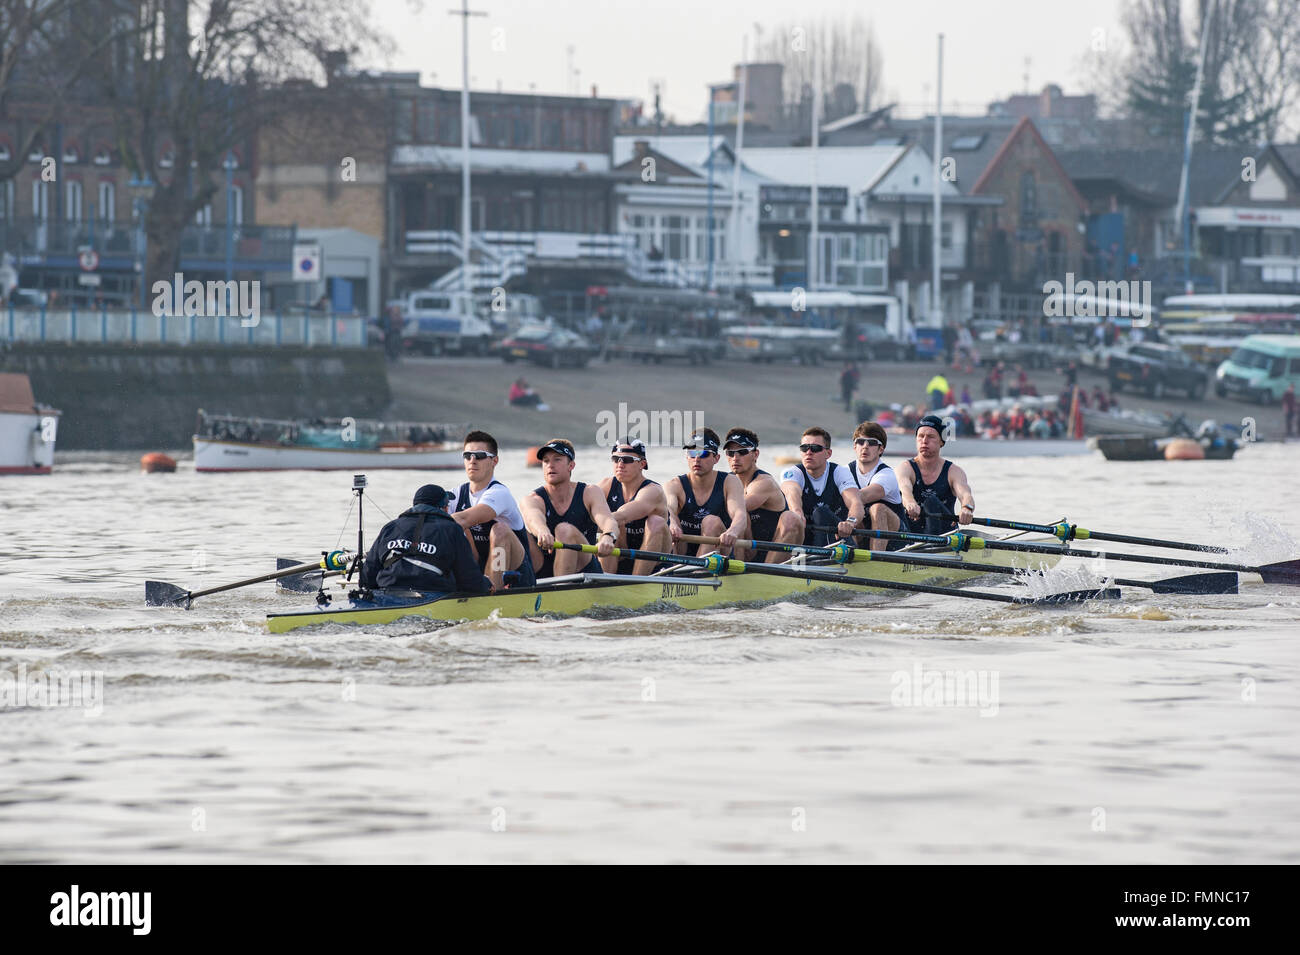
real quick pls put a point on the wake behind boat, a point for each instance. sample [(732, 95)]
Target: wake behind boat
[(237, 443)]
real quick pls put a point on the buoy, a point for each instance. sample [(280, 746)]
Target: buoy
[(155, 462), (531, 455), (1184, 449), (785, 459)]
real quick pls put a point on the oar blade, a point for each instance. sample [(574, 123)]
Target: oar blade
[(158, 593), (1218, 583), (307, 582), (1283, 572), (1076, 596)]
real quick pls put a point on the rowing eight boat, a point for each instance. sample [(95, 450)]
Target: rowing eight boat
[(687, 589)]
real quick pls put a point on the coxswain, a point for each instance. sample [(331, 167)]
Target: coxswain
[(878, 482), (567, 511), (638, 505), (770, 517), (706, 501), (931, 476), (491, 518), (822, 493), (423, 549)]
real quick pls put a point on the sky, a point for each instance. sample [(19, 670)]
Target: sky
[(624, 46)]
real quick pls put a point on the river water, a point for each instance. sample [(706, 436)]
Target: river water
[(918, 729)]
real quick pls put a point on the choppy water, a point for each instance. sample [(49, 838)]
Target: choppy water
[(1158, 729)]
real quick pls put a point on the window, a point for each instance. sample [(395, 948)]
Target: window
[(40, 199), (967, 143), (425, 121), (945, 234), (71, 155), (167, 159), (237, 204), (102, 157), (1028, 199), (204, 216), (404, 120), (72, 200), (4, 153), (107, 206), (7, 200)]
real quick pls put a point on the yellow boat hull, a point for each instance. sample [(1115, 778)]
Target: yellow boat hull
[(622, 594)]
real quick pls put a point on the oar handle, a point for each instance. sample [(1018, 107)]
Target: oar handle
[(334, 560)]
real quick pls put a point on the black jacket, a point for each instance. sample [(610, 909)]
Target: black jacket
[(441, 544)]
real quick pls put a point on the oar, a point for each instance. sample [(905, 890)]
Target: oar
[(1065, 531), (158, 593), (718, 564), (1218, 583), (308, 583), (1282, 572)]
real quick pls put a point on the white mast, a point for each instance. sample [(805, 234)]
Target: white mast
[(817, 95), (734, 257), (936, 301), (464, 13)]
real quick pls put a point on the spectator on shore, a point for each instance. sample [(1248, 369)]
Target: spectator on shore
[(1071, 373), (849, 383), (521, 396), (1289, 409), (966, 353), (965, 394), (1039, 427), (1099, 399), (936, 391)]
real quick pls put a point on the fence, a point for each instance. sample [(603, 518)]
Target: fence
[(278, 327)]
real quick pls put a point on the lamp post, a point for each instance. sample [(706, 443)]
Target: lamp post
[(141, 191)]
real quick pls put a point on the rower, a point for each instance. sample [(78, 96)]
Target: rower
[(935, 478), (638, 505), (568, 511), (821, 492), (703, 500), (770, 517), (488, 512), (880, 494), (423, 549)]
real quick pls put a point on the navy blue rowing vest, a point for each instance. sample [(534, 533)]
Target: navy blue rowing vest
[(692, 514), (830, 498), (483, 542), (635, 529), (578, 516), (940, 490), (762, 520)]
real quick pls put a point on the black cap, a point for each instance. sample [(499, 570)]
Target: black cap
[(700, 440), (627, 446), (431, 494), (736, 437), (932, 421), (560, 445)]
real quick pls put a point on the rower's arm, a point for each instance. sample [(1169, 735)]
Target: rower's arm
[(533, 512), (960, 487), (853, 501), (735, 495), (648, 501), (905, 485), (793, 496), (598, 508), (478, 514), (672, 498), (871, 493)]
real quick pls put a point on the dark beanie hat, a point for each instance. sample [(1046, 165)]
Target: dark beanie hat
[(932, 421), (431, 494)]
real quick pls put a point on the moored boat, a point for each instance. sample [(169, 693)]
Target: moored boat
[(27, 429), (238, 443), (684, 589)]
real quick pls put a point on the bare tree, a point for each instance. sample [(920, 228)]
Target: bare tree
[(201, 78), (849, 59), (1245, 85)]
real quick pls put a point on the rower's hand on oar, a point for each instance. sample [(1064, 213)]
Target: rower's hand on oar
[(964, 515), (545, 541), (726, 541), (604, 545), (844, 530), (675, 532), (913, 510)]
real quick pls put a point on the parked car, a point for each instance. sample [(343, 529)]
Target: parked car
[(1155, 369), (1260, 368), (879, 345), (543, 345), (438, 322)]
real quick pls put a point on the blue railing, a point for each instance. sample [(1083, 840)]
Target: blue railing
[(118, 325)]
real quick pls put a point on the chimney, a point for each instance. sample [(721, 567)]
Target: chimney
[(593, 90)]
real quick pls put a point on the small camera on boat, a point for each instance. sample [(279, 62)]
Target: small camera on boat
[(358, 480)]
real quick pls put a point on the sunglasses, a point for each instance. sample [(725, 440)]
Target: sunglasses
[(814, 448), (698, 453), (873, 442), (624, 459), (476, 455), (736, 452)]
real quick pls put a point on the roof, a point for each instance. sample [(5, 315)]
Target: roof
[(1155, 172), (855, 167), (1290, 153), (16, 394), (1026, 126)]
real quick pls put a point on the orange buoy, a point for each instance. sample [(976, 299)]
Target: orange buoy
[(1184, 449), (531, 455), (155, 462), (786, 459)]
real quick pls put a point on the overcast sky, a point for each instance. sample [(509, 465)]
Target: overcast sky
[(623, 46)]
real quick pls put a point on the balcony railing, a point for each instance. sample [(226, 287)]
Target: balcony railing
[(30, 239), (111, 325)]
